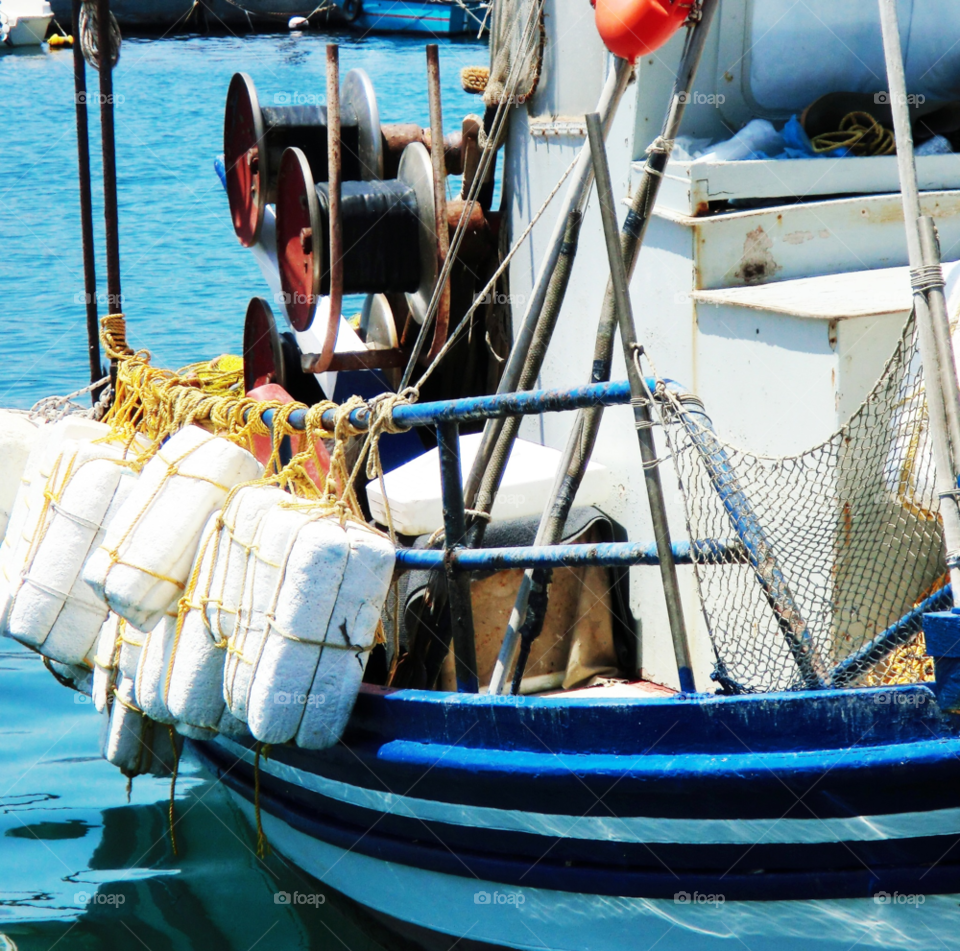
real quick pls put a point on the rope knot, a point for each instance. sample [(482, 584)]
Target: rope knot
[(113, 333)]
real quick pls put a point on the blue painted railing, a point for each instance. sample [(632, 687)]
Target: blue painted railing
[(610, 554), (531, 402)]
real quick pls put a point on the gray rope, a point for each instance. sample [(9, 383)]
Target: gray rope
[(89, 32)]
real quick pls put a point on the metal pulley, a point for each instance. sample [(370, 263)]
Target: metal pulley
[(389, 235), (255, 136)]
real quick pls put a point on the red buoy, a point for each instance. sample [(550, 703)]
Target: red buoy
[(633, 28)]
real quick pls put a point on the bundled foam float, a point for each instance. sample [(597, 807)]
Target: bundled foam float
[(152, 666), (144, 562), (105, 661), (18, 435), (49, 608), (28, 500), (132, 742), (349, 639), (311, 601), (195, 688)]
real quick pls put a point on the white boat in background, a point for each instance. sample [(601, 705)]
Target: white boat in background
[(24, 22)]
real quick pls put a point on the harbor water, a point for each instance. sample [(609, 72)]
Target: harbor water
[(86, 863)]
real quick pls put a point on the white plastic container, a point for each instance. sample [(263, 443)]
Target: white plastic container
[(414, 488), (18, 435), (50, 609), (144, 562), (195, 693)]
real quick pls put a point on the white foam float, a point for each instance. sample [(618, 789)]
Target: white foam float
[(18, 435), (144, 562), (49, 608), (195, 691), (312, 597), (28, 503)]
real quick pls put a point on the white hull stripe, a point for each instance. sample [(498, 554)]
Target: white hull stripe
[(903, 825)]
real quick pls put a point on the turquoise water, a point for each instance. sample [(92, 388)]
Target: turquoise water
[(67, 828)]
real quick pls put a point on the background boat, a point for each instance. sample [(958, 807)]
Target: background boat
[(24, 22), (413, 16)]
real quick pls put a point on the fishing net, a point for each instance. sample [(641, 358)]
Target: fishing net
[(814, 570), (516, 52)]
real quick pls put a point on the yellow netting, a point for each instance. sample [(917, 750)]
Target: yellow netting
[(155, 403)]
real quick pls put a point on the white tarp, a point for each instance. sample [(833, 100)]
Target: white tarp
[(799, 50)]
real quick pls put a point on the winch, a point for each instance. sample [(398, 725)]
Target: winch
[(255, 137), (389, 235)]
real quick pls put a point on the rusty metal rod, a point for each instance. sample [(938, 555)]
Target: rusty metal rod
[(108, 138), (439, 192), (336, 224), (458, 583), (86, 202)]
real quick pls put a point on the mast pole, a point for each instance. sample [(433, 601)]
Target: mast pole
[(86, 203), (926, 276)]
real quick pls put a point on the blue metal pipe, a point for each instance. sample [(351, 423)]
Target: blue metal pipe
[(885, 643), (531, 402), (612, 554)]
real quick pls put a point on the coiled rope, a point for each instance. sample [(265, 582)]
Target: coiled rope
[(90, 33), (860, 134)]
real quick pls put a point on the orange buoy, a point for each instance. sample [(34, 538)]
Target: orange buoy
[(632, 28)]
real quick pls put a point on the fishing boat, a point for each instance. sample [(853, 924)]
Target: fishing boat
[(666, 647), (24, 23)]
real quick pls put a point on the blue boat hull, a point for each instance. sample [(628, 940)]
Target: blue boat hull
[(400, 16), (835, 795)]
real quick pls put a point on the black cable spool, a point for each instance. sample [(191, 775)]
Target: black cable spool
[(255, 137), (381, 234)]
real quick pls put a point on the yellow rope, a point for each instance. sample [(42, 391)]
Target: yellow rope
[(173, 789), (263, 846), (859, 134)]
